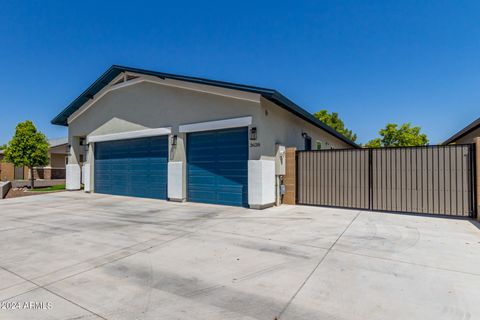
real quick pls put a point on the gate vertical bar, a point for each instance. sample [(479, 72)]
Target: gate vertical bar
[(370, 179)]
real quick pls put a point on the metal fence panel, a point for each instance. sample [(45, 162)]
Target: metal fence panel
[(433, 179), (335, 178)]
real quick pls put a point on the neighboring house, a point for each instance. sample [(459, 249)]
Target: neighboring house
[(159, 135), (465, 135), (8, 172), (57, 154)]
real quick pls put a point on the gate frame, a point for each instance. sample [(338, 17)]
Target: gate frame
[(473, 163)]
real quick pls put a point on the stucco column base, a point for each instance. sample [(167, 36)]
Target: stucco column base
[(261, 207), (72, 177), (477, 173), (177, 200), (261, 183), (86, 177), (175, 181)]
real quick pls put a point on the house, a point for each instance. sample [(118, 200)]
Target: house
[(466, 135), (159, 135), (57, 154)]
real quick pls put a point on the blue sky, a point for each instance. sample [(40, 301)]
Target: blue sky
[(372, 61)]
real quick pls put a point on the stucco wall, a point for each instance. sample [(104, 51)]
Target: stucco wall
[(149, 105), (281, 126)]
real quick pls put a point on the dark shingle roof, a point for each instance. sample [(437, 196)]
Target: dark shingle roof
[(472, 126), (270, 94)]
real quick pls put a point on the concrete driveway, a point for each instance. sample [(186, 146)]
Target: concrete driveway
[(73, 255)]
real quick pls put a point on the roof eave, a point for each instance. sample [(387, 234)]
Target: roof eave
[(289, 105), (460, 134), (270, 94), (61, 119)]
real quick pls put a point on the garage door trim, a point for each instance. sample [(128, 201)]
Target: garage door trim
[(216, 125), (130, 135), (132, 167), (217, 166)]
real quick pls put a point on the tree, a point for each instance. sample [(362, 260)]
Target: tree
[(28, 147), (3, 146), (393, 136), (374, 143), (333, 121)]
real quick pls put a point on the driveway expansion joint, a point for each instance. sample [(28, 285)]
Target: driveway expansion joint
[(50, 291), (316, 267)]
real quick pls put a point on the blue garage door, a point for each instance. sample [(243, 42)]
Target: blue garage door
[(217, 167), (135, 167)]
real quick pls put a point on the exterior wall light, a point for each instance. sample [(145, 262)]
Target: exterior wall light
[(253, 133), (174, 140)]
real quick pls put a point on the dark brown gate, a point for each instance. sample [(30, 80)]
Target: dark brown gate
[(432, 180)]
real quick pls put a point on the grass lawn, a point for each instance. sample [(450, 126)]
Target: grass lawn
[(52, 188)]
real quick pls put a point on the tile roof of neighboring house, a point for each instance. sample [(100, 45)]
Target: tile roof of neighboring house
[(472, 126), (57, 142), (270, 94), (52, 143)]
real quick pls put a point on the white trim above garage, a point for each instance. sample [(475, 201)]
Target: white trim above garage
[(216, 125), (129, 135)]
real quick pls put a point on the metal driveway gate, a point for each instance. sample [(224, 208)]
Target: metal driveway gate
[(433, 179)]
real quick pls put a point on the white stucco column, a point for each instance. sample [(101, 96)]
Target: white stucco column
[(86, 177), (87, 169), (175, 181), (177, 161), (261, 183), (72, 169), (72, 177)]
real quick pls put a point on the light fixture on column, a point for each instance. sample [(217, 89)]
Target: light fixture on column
[(253, 133)]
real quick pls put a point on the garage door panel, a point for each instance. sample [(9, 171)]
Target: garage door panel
[(119, 167), (200, 138), (135, 167), (201, 168), (217, 168), (232, 181), (228, 188), (202, 155), (227, 197), (118, 189), (231, 165), (205, 195), (234, 174), (118, 179), (227, 158), (197, 181)]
